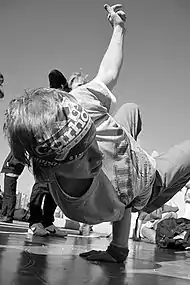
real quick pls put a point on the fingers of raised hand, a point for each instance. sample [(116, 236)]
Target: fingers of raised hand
[(115, 13), (112, 9), (122, 15)]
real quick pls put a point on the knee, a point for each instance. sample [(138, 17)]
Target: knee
[(131, 106), (129, 117), (132, 110)]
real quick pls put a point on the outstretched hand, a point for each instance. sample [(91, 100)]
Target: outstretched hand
[(116, 15), (97, 255)]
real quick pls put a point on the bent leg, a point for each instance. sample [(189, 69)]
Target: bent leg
[(128, 116), (36, 203), (173, 168), (48, 210)]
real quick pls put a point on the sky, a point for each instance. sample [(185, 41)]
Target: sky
[(39, 35)]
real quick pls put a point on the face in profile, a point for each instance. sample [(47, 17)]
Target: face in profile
[(86, 166)]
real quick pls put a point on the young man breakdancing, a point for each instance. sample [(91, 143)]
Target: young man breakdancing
[(96, 170)]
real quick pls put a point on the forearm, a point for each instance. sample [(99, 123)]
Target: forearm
[(113, 58), (121, 230), (118, 250)]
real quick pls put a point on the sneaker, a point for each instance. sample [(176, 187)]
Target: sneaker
[(52, 229), (38, 230), (5, 219)]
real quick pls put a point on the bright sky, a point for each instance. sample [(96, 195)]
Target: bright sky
[(39, 35)]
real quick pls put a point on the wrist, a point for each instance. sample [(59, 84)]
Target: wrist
[(119, 28), (118, 253)]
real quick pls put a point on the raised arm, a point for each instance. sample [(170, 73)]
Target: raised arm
[(112, 60)]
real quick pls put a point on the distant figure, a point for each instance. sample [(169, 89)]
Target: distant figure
[(1, 85), (77, 79)]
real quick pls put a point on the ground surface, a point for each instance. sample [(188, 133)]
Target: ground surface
[(27, 260)]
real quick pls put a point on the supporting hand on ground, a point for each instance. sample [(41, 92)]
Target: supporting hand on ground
[(112, 254), (98, 255)]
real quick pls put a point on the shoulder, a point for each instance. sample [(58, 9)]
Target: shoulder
[(95, 92)]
